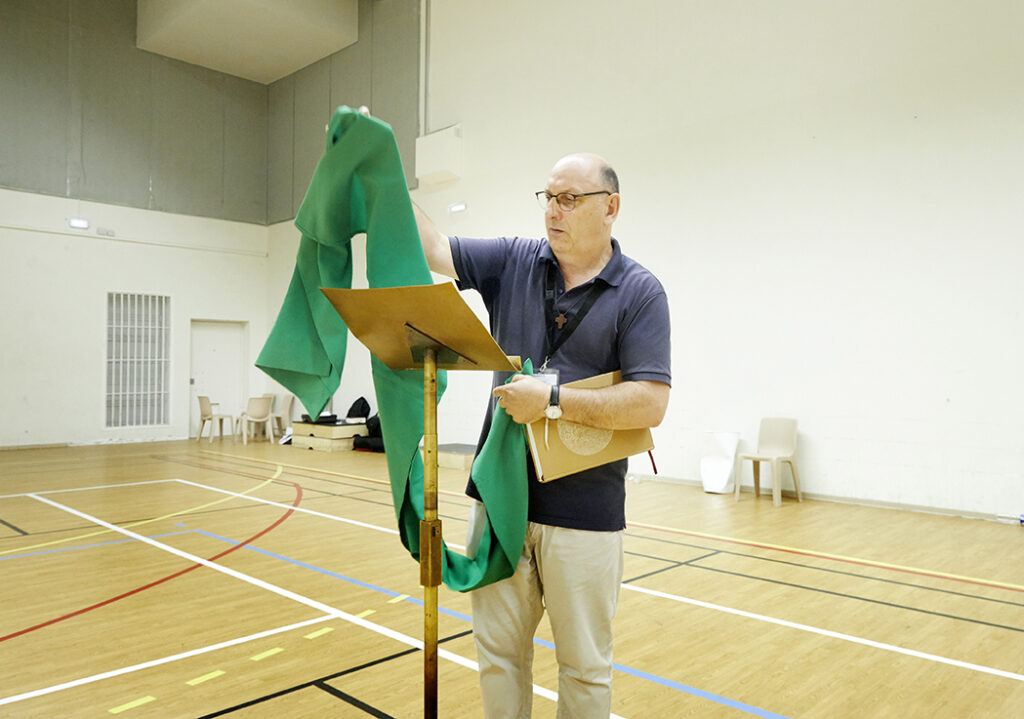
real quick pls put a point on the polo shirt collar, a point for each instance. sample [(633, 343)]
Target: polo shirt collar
[(612, 272)]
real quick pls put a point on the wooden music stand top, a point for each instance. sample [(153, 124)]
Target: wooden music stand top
[(397, 323)]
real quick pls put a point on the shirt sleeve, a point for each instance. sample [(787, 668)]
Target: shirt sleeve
[(645, 342), (478, 263)]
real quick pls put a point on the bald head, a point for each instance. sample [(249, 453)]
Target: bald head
[(594, 167)]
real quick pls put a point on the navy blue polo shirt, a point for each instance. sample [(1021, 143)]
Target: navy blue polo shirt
[(626, 329)]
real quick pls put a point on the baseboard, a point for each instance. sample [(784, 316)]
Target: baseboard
[(4, 448), (791, 494)]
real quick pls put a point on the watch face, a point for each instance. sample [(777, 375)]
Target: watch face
[(553, 411)]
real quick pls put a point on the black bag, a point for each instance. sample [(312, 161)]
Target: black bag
[(359, 408), (374, 442)]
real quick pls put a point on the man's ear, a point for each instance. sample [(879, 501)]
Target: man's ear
[(612, 209)]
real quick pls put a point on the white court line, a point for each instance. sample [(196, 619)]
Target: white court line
[(831, 634), (331, 612), (157, 662), (357, 523), (313, 512), (717, 607), (87, 489)]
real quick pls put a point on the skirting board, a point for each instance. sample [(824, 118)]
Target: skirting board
[(34, 446), (767, 491)]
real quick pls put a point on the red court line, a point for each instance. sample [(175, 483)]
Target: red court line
[(105, 602)]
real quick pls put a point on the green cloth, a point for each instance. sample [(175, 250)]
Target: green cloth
[(359, 186)]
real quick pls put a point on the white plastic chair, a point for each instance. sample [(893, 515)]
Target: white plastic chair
[(776, 443), (256, 412), (283, 417), (206, 414)]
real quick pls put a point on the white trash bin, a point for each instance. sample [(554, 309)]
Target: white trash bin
[(718, 461)]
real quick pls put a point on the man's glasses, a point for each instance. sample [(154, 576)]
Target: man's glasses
[(566, 200)]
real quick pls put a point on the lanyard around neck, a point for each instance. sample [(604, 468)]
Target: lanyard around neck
[(560, 328)]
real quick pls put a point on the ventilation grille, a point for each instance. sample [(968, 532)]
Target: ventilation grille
[(138, 359)]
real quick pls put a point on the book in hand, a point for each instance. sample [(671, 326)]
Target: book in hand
[(560, 447)]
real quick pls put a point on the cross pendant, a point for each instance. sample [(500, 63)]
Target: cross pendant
[(561, 320)]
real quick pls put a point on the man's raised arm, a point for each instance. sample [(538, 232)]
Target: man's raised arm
[(435, 245)]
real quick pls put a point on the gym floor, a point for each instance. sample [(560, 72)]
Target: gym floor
[(196, 579)]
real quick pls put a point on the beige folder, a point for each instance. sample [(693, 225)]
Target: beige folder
[(560, 448)]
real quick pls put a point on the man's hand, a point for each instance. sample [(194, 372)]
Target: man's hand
[(524, 398)]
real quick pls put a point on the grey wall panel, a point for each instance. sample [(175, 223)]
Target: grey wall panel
[(33, 100), (312, 112), (280, 149), (396, 74), (245, 151), (110, 155), (188, 138), (113, 18), (351, 68), (84, 113)]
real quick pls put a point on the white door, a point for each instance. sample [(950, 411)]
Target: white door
[(218, 368)]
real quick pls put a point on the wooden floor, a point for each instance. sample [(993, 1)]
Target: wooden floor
[(187, 579)]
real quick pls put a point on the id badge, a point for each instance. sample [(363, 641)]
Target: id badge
[(548, 376)]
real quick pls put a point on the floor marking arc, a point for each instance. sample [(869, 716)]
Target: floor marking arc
[(829, 633), (139, 523), (835, 557), (304, 510), (317, 470), (111, 600)]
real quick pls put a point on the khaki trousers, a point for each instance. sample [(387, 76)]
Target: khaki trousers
[(575, 575)]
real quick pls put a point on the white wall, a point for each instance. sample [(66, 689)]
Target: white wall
[(53, 289), (831, 193)]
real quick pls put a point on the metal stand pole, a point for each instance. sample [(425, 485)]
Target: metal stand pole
[(430, 535)]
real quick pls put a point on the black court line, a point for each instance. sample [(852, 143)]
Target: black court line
[(866, 577), (349, 699), (862, 599), (19, 530), (321, 683)]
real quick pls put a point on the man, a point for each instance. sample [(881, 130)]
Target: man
[(574, 304)]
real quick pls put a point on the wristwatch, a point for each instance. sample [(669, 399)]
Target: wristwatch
[(553, 411)]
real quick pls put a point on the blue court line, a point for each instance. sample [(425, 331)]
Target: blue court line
[(640, 674), (88, 546)]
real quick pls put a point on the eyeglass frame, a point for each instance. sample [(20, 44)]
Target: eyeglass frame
[(548, 197)]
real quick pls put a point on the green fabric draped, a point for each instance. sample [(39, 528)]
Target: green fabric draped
[(359, 186)]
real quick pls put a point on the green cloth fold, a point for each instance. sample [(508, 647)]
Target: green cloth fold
[(359, 186)]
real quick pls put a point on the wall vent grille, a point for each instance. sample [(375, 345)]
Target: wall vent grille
[(138, 359)]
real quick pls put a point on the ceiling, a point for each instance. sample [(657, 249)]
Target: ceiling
[(261, 40)]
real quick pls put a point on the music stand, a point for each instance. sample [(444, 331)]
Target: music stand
[(428, 327)]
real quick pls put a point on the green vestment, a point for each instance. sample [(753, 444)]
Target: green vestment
[(359, 186)]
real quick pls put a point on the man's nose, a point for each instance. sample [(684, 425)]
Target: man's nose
[(554, 211)]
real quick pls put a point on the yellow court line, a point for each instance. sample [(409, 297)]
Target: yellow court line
[(321, 632), (399, 598), (146, 521), (205, 678), (368, 612), (323, 471), (269, 653), (131, 705), (296, 466), (837, 557)]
